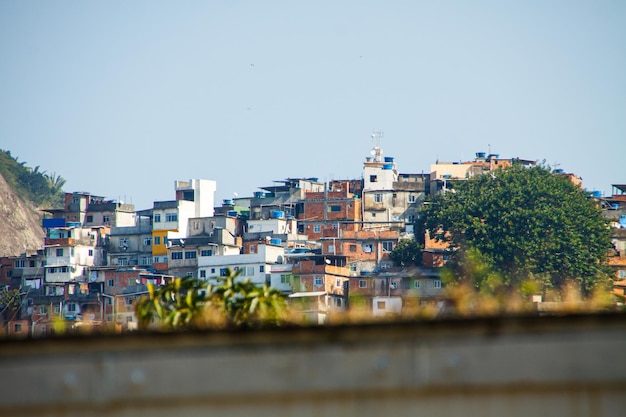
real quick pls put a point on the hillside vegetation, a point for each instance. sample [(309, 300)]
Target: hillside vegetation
[(31, 185)]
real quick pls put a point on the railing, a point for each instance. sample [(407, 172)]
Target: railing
[(517, 366)]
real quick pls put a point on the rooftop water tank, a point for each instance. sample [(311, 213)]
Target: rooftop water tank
[(275, 242), (388, 158), (387, 166), (228, 202), (258, 194), (232, 213), (278, 214), (596, 194), (480, 155)]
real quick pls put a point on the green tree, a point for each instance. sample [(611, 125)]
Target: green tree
[(193, 303), (408, 252), (525, 224)]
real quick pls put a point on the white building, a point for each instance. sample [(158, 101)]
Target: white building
[(254, 266)]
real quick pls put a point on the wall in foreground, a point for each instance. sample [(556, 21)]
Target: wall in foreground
[(528, 366)]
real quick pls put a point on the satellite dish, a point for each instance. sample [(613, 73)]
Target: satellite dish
[(327, 261), (236, 194), (373, 152)]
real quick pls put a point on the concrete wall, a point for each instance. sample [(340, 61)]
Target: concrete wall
[(532, 366)]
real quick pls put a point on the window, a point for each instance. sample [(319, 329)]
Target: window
[(250, 271), (338, 282), (206, 252), (378, 198), (417, 284), (90, 252), (71, 307), (202, 273), (129, 301), (352, 248), (437, 283), (165, 240), (42, 309), (334, 208), (31, 264), (318, 281), (223, 272), (335, 226), (157, 240), (373, 178), (387, 246), (177, 255), (111, 283), (411, 218), (317, 228), (147, 241), (190, 254), (338, 302), (381, 305), (362, 283), (353, 268), (122, 261), (621, 273), (252, 248), (90, 219), (17, 327), (368, 248), (393, 285), (106, 219), (189, 274), (123, 242), (284, 278), (171, 217), (59, 252), (57, 309), (19, 263), (262, 268), (157, 218), (331, 249)]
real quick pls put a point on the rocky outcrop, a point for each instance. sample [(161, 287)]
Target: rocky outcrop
[(20, 224)]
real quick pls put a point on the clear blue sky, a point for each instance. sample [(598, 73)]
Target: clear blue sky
[(122, 98)]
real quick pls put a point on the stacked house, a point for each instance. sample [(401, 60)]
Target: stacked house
[(326, 245)]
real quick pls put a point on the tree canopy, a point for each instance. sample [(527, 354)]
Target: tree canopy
[(524, 223), (39, 187), (408, 252)]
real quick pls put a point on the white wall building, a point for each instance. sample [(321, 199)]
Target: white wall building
[(254, 266)]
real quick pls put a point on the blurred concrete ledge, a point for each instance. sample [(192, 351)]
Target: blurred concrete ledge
[(515, 366)]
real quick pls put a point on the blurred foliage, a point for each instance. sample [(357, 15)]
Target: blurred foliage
[(43, 189), (193, 303), (522, 225)]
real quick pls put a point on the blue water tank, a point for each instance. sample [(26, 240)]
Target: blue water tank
[(480, 154), (52, 223), (232, 213), (622, 221), (228, 202), (275, 242), (596, 194), (258, 194), (278, 214), (387, 166), (388, 158)]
